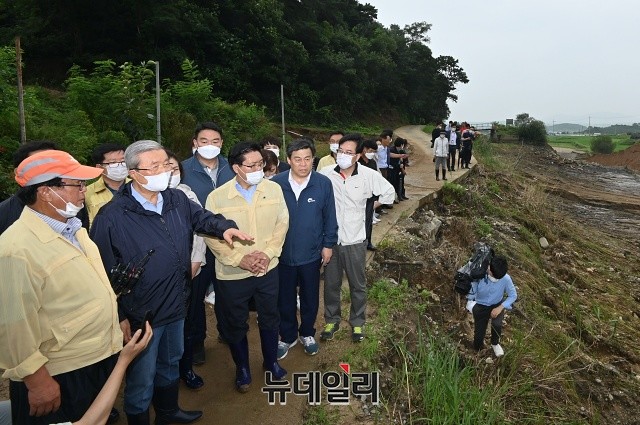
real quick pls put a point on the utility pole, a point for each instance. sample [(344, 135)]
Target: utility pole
[(590, 125), (23, 126), (553, 127), (159, 135), (284, 147)]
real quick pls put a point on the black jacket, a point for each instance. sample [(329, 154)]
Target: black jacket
[(124, 232)]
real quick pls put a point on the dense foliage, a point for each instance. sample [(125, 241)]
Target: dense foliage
[(116, 103), (602, 144), (530, 130), (336, 62)]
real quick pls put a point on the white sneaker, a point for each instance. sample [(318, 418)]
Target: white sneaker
[(298, 302), (375, 220), (211, 298), (497, 350)]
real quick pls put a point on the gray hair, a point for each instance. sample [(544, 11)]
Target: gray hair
[(132, 154)]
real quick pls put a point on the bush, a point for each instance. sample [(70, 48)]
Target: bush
[(602, 144), (533, 133)]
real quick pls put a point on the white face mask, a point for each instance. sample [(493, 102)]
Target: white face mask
[(174, 180), (344, 161), (334, 147), (442, 136), (276, 151), (117, 173), (71, 210), (157, 183), (370, 155), (254, 178), (208, 151)]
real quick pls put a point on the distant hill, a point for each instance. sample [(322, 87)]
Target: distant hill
[(566, 128)]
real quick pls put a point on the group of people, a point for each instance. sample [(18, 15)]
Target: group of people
[(449, 140), (94, 253), (99, 255)]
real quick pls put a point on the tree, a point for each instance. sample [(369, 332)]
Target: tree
[(532, 131), (602, 144)]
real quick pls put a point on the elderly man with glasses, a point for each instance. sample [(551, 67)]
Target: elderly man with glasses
[(59, 328), (250, 270), (150, 227)]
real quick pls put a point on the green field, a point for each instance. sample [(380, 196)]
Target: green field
[(583, 143)]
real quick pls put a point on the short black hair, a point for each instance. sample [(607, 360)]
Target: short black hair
[(300, 144), (29, 194), (97, 156), (387, 132), (367, 143), (238, 151), (270, 140), (334, 132), (399, 142), (207, 125), (25, 150), (354, 137), (498, 266)]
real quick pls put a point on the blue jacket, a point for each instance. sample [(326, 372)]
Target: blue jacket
[(312, 219), (198, 179), (124, 232)]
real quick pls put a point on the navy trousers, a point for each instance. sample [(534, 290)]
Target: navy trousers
[(233, 296), (306, 277)]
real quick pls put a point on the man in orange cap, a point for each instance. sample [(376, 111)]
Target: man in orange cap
[(59, 325)]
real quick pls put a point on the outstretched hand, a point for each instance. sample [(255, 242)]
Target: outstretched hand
[(229, 234)]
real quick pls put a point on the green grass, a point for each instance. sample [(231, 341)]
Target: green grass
[(321, 415), (583, 143), (441, 388)]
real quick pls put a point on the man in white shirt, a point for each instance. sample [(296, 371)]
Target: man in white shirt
[(352, 184)]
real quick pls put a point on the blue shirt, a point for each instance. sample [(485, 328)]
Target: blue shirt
[(67, 230), (247, 194), (157, 208), (488, 293)]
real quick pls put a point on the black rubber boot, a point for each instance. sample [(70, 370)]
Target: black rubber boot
[(444, 174), (165, 403), (437, 174), (139, 419), (240, 355), (269, 341)]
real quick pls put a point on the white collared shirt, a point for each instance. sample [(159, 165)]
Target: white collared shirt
[(298, 188)]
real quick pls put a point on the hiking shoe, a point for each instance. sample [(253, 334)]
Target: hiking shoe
[(310, 345), (329, 330), (497, 350), (211, 298), (357, 334), (283, 348)]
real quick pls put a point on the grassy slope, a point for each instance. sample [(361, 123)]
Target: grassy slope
[(571, 355)]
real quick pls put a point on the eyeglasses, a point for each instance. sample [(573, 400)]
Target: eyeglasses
[(258, 165), (113, 164), (81, 184), (156, 168), (346, 153)]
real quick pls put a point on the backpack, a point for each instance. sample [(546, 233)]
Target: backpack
[(474, 269)]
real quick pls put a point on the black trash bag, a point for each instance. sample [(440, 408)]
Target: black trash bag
[(473, 269)]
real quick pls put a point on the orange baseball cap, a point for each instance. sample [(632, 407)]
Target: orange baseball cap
[(46, 165)]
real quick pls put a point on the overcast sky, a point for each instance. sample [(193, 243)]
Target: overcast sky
[(557, 60)]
